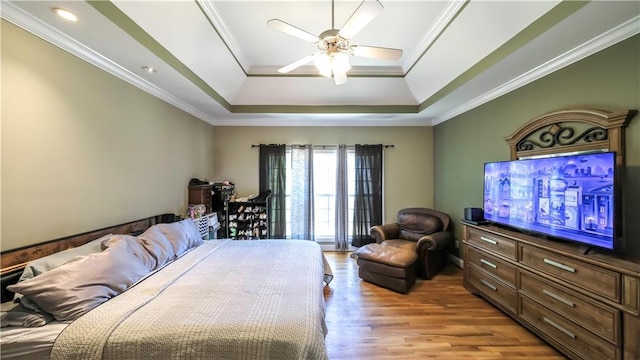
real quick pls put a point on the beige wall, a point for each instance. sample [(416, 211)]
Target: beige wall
[(609, 80), (408, 179), (82, 149)]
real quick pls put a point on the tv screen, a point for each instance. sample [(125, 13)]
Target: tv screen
[(567, 197)]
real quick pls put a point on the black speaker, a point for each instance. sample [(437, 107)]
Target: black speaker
[(473, 214)]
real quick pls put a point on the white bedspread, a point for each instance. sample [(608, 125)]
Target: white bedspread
[(223, 300)]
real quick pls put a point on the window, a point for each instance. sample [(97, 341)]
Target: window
[(324, 187)]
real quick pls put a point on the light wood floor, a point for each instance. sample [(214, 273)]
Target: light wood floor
[(437, 319)]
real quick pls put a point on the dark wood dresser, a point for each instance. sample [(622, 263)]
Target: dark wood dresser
[(202, 194), (585, 305)]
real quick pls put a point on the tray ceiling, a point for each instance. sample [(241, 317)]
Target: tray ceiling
[(217, 59)]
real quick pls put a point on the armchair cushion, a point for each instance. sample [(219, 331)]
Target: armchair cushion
[(388, 255), (414, 224), (401, 243)]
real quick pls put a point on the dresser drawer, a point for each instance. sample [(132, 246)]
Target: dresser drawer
[(631, 293), (493, 288), (599, 318), (496, 243), (491, 264), (597, 280), (580, 341)]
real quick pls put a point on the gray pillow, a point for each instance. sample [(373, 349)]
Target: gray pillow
[(69, 291), (20, 316), (183, 235), (158, 246), (50, 262), (195, 238), (136, 249)]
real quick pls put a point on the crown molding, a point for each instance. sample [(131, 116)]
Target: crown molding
[(39, 28), (211, 13), (442, 22), (601, 42), (324, 120)]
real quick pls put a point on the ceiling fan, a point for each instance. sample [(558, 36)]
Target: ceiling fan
[(334, 45)]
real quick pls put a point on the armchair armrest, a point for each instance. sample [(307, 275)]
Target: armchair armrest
[(436, 241), (384, 232)]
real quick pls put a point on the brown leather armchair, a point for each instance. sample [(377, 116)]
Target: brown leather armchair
[(426, 231)]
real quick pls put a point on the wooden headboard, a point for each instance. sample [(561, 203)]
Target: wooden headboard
[(13, 261)]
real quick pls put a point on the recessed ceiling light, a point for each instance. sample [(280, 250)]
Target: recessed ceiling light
[(149, 69), (65, 14)]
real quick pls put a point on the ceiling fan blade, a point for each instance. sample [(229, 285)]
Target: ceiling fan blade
[(340, 78), (366, 11), (292, 30), (376, 52), (296, 64)]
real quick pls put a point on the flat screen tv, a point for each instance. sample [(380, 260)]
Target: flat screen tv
[(566, 197)]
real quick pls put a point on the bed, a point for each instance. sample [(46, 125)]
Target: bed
[(222, 299)]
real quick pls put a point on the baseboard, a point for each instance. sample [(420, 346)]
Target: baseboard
[(457, 261)]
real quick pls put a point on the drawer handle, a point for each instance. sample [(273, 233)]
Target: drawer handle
[(560, 266), (489, 285), (565, 331), (488, 263), (558, 297), (490, 241)]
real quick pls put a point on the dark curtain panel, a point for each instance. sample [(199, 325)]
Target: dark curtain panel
[(368, 196), (273, 172)]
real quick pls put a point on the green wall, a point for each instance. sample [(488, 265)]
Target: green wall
[(82, 149), (608, 80)]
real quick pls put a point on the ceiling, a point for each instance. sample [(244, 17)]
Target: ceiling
[(217, 60)]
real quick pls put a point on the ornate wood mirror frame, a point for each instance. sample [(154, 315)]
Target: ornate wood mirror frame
[(575, 131), (571, 131)]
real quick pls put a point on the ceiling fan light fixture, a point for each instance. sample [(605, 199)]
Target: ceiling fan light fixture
[(335, 63), (323, 64), (340, 78), (334, 45), (341, 63)]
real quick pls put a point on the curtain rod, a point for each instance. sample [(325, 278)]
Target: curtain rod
[(313, 145)]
